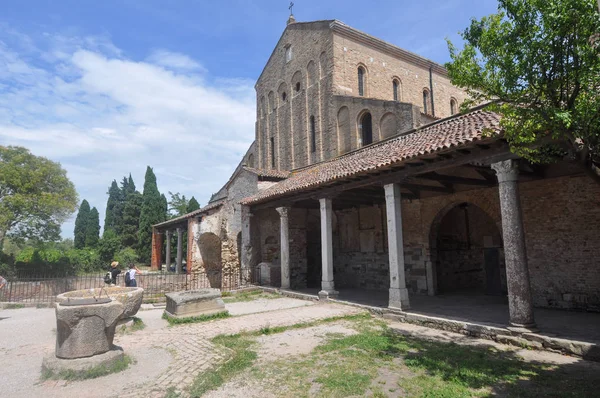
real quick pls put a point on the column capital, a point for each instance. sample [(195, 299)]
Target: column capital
[(506, 170), (283, 211)]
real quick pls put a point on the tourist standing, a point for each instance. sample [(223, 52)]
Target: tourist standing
[(130, 277), (2, 282), (114, 271)]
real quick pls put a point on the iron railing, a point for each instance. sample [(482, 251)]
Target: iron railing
[(40, 290)]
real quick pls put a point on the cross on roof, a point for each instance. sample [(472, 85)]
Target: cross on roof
[(290, 8)]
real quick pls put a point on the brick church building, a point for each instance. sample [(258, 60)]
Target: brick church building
[(364, 177)]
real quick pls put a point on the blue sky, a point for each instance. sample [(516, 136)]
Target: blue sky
[(108, 87)]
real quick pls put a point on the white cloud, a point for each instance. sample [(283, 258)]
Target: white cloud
[(174, 60), (82, 102)]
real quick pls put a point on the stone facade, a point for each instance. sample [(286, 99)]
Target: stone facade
[(309, 108)]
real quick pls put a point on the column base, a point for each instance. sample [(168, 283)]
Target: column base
[(329, 293), (522, 328), (398, 299)]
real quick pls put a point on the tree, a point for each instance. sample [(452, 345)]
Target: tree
[(114, 195), (177, 205), (535, 61), (131, 213), (36, 196), (83, 215), (92, 230), (108, 246), (192, 205), (153, 211)]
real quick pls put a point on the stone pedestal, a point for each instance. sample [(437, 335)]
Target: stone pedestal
[(86, 330), (194, 303), (520, 304)]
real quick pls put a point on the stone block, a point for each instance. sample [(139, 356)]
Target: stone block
[(56, 365), (194, 303), (86, 330)]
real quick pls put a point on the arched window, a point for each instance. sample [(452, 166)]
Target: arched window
[(426, 103), (297, 86), (272, 152), (366, 129), (283, 96), (395, 85), (313, 135), (361, 81), (453, 106), (250, 161)]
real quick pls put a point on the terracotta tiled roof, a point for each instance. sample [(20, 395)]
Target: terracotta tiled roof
[(268, 173), (456, 131), (179, 219)]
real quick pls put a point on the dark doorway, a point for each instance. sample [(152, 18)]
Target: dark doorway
[(313, 252), (469, 257), (366, 128)]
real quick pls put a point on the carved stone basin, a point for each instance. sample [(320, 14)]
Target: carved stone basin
[(194, 303), (130, 297)]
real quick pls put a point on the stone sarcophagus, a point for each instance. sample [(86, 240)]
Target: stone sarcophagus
[(193, 303)]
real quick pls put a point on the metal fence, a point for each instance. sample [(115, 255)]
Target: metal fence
[(39, 290)]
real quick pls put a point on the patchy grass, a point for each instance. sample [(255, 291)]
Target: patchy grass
[(242, 357), (91, 373), (172, 393), (138, 324), (15, 306), (377, 362), (229, 297), (194, 319)]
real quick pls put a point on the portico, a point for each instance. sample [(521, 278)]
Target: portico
[(434, 206)]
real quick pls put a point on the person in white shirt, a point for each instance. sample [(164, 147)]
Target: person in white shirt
[(132, 271)]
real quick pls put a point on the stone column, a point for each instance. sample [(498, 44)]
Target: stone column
[(168, 248), (246, 254), (179, 265), (327, 282), (156, 255), (285, 246), (520, 304), (398, 298)]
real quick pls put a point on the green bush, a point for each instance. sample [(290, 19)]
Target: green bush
[(85, 260), (126, 256), (109, 245)]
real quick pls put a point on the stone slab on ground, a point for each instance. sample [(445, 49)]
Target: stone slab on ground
[(57, 365), (265, 305), (193, 303)]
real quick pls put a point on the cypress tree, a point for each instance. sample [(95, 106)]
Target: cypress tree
[(92, 228), (152, 212), (83, 215), (192, 205), (112, 205), (131, 215)]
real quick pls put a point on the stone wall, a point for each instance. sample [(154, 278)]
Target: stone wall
[(381, 69), (288, 92)]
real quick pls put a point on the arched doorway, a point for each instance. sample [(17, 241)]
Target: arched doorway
[(467, 251), (210, 252), (366, 129)]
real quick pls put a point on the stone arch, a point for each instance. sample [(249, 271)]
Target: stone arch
[(466, 251), (453, 106), (282, 94), (262, 107), (250, 161), (365, 128), (344, 130), (388, 125), (311, 74), (297, 85), (211, 255), (272, 102), (323, 65), (426, 101)]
